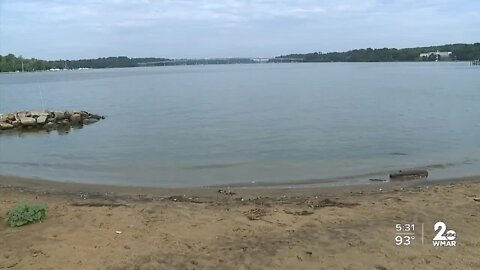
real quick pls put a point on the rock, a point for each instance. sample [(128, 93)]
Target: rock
[(76, 119), (96, 116), (226, 192), (51, 117), (90, 121), (4, 126), (19, 115), (60, 115), (11, 117), (7, 117), (84, 114), (409, 175), (28, 121), (41, 119), (64, 122)]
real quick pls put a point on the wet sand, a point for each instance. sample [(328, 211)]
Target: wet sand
[(112, 227)]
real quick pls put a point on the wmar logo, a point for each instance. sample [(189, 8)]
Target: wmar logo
[(444, 238)]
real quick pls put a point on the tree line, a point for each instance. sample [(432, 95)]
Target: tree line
[(12, 63), (460, 52)]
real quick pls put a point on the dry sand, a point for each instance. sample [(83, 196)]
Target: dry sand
[(329, 228)]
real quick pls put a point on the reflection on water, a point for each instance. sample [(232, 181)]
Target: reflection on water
[(25, 132)]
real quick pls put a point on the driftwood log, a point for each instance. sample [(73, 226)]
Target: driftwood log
[(409, 175)]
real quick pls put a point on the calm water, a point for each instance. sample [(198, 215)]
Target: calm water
[(283, 123)]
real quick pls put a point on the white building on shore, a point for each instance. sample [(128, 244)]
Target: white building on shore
[(437, 54)]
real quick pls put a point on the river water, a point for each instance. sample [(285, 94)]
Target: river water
[(325, 123)]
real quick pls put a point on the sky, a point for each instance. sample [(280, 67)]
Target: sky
[(74, 29)]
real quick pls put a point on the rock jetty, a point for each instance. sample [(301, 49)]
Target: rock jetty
[(46, 120)]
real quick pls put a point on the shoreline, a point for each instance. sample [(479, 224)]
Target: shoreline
[(114, 227), (221, 64), (59, 188), (437, 172)]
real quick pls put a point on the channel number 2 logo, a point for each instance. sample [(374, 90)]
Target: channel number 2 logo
[(444, 237)]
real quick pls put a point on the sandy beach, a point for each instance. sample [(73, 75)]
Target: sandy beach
[(111, 227)]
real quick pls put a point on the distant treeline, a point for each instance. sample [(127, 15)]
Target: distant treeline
[(460, 52), (12, 63)]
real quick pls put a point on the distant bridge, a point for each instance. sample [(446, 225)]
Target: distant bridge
[(286, 60)]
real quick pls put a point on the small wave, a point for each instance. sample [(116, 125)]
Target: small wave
[(63, 166), (447, 165), (343, 179), (214, 166), (397, 154), (304, 182), (30, 164)]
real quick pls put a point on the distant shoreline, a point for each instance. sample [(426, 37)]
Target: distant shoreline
[(447, 52), (223, 64)]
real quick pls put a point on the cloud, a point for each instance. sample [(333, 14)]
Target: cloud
[(88, 28), (187, 10)]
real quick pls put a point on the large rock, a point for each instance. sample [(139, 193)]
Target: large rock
[(61, 115), (4, 126), (11, 117), (28, 121), (42, 119), (84, 114), (22, 114), (76, 119)]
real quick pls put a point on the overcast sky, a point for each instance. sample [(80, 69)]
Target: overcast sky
[(224, 28)]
